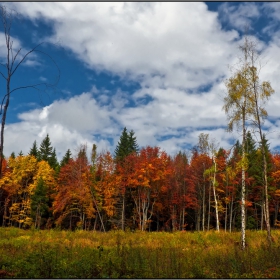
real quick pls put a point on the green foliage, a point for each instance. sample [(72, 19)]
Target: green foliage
[(80, 254), (47, 153), (66, 158), (39, 203), (53, 160), (132, 143), (82, 154), (126, 145), (34, 150)]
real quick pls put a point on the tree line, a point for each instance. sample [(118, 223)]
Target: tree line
[(144, 189), (147, 188)]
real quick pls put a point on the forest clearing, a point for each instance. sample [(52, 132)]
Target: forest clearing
[(165, 152), (125, 254)]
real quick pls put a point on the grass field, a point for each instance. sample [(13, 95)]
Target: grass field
[(117, 254)]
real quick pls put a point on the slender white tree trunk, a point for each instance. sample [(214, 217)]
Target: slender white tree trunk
[(243, 189), (215, 197)]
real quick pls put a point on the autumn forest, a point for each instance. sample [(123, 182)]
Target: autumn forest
[(143, 189)]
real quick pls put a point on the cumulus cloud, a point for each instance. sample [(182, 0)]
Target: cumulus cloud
[(142, 41), (178, 52), (69, 123)]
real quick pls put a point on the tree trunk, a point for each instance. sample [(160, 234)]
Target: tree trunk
[(3, 125), (209, 207), (123, 212), (243, 188), (215, 198), (262, 216), (230, 217), (203, 207)]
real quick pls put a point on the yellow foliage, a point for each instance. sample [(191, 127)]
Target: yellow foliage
[(20, 183)]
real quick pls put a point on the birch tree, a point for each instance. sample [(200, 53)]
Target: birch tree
[(259, 93), (244, 104), (238, 108)]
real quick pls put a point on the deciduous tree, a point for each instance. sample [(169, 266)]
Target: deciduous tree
[(14, 59)]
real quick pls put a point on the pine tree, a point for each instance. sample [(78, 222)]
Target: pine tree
[(53, 160), (126, 145), (66, 158), (82, 154), (132, 143), (34, 150), (39, 203), (122, 149), (45, 151), (13, 155), (20, 153)]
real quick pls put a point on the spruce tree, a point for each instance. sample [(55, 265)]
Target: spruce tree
[(66, 158), (39, 203), (126, 145), (13, 155), (53, 160), (20, 153), (34, 150), (132, 143), (122, 150), (45, 151)]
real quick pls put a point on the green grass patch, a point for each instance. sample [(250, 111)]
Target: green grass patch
[(117, 254)]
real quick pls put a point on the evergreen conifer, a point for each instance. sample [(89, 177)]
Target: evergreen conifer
[(34, 150)]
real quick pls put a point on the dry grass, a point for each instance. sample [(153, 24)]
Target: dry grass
[(117, 254)]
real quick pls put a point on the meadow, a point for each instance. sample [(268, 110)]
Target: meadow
[(118, 254)]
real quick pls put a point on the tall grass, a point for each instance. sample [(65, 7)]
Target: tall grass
[(117, 254)]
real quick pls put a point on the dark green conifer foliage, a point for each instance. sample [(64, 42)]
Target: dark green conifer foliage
[(45, 151), (254, 163), (53, 160), (20, 153), (268, 158), (132, 143), (34, 150), (13, 155), (183, 156), (39, 204), (238, 148), (82, 154), (66, 158), (122, 150), (126, 145)]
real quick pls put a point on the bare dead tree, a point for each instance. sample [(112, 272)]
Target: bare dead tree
[(12, 64)]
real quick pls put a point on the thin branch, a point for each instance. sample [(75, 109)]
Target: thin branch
[(3, 75), (1, 108), (25, 57), (14, 59), (31, 86)]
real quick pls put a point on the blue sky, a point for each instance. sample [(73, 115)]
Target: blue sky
[(156, 68)]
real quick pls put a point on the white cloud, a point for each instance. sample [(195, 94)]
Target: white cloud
[(185, 45), (69, 123), (174, 50), (239, 16)]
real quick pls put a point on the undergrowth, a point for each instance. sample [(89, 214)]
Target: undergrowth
[(118, 254)]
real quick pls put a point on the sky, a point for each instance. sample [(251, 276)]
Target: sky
[(156, 68)]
